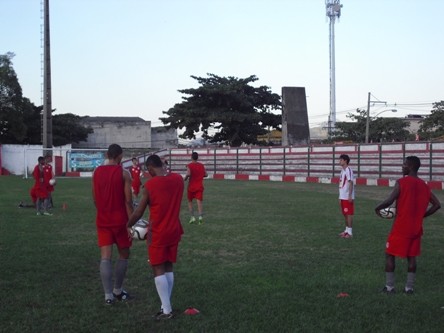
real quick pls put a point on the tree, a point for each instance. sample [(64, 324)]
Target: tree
[(236, 110), (21, 120), (12, 104), (67, 129), (433, 125), (380, 129)]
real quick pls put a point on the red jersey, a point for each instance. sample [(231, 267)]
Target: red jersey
[(412, 203), (135, 171), (197, 174), (165, 195), (40, 189), (109, 196), (47, 176)]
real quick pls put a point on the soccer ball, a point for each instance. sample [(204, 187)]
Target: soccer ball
[(139, 231), (52, 181), (388, 213)]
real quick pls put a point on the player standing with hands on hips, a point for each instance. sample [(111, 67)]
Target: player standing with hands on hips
[(163, 194), (413, 197), (111, 191), (346, 195), (195, 173)]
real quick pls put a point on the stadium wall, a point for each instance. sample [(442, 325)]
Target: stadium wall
[(373, 164)]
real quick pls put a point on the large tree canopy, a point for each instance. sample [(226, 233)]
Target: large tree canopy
[(433, 125), (237, 111), (12, 103), (380, 129)]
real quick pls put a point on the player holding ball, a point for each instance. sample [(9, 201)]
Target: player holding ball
[(413, 197)]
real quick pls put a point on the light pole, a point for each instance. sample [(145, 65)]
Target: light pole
[(367, 125)]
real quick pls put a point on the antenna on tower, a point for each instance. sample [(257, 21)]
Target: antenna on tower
[(333, 10)]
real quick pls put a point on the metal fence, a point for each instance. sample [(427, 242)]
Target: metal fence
[(367, 160)]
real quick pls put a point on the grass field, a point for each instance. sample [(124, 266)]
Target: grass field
[(268, 259)]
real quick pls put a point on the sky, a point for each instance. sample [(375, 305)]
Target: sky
[(130, 57)]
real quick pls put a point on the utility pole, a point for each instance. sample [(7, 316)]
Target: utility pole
[(333, 8), (47, 100), (367, 123)]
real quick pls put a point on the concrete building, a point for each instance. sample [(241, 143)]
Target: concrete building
[(129, 132)]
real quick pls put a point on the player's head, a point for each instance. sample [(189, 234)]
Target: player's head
[(152, 163), (134, 160), (194, 156), (115, 152), (41, 160), (345, 158), (411, 163)]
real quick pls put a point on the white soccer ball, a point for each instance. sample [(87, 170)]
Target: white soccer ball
[(388, 213), (52, 181), (139, 231)]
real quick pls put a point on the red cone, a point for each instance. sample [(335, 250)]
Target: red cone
[(191, 311)]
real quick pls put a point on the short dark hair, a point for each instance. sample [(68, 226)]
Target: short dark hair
[(134, 159), (345, 157), (194, 156), (40, 159), (114, 150), (154, 161), (414, 162)]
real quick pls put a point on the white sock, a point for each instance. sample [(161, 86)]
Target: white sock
[(349, 231), (161, 283), (170, 278)]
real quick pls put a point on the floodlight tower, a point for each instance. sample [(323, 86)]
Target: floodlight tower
[(333, 10), (47, 100)]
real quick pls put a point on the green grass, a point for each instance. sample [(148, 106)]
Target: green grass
[(268, 259)]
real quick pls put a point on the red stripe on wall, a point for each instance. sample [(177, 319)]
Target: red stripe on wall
[(312, 179), (382, 182), (288, 178)]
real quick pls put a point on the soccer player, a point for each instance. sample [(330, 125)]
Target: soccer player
[(346, 195), (195, 173), (136, 173), (413, 197), (163, 194), (48, 174), (111, 191), (40, 189)]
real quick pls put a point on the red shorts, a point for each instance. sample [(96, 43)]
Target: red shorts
[(135, 188), (33, 193), (160, 255), (198, 195), (347, 207), (116, 235), (401, 246)]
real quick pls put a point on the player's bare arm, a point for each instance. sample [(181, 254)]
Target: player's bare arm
[(140, 209), (128, 194), (434, 207), (187, 175)]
